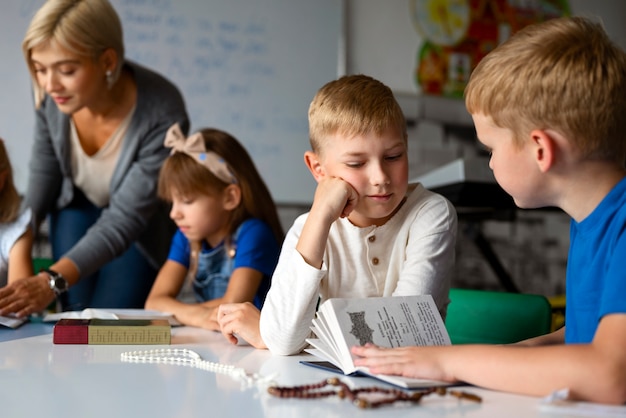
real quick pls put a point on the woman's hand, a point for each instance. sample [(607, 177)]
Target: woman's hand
[(26, 296)]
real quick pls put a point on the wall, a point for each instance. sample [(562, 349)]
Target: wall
[(383, 42)]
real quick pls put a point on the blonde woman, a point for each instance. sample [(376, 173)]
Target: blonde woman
[(98, 147)]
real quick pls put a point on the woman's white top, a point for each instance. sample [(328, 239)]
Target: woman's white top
[(92, 173)]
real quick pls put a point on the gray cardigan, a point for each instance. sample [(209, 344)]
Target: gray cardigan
[(134, 212)]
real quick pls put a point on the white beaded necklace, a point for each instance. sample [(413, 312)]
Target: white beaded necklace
[(185, 357)]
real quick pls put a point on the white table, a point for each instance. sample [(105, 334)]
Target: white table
[(38, 378)]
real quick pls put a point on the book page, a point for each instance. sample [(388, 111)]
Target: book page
[(11, 321), (320, 329), (395, 321), (321, 351)]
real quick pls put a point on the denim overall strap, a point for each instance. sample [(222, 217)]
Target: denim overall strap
[(214, 270)]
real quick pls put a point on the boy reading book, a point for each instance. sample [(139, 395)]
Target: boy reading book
[(549, 104), (368, 233)]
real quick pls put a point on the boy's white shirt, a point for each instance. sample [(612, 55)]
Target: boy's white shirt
[(415, 252)]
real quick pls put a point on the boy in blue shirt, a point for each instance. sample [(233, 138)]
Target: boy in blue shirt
[(550, 106)]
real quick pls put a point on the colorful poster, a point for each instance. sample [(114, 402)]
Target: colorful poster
[(458, 33)]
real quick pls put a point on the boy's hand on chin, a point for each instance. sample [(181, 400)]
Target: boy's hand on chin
[(336, 197)]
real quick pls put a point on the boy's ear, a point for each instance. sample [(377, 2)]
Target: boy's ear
[(544, 148), (231, 197), (312, 161)]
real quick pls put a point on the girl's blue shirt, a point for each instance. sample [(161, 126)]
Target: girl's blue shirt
[(254, 247)]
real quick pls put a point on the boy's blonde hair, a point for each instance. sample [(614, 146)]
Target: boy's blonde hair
[(353, 105), (563, 74), (9, 197), (84, 27)]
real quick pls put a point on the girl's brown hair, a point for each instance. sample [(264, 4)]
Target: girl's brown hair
[(10, 198), (181, 173)]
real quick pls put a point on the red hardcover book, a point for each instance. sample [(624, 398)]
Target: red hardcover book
[(112, 331)]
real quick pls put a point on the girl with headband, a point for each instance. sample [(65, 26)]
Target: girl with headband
[(229, 234)]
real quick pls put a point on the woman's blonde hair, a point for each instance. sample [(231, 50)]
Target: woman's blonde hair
[(353, 105), (184, 175), (563, 74), (84, 27), (9, 197)]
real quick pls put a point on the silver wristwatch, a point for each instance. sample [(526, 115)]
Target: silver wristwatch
[(58, 284)]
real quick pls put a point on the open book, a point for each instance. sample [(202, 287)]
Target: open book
[(10, 321), (93, 313), (395, 321)]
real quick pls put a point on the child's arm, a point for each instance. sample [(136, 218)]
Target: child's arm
[(333, 198), (242, 287), (291, 301), (292, 298), (593, 372), (167, 285), (556, 337), (20, 258)]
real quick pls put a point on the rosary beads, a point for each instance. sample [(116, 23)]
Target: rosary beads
[(357, 396), (367, 397), (185, 357)]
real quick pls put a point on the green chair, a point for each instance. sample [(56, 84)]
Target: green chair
[(41, 263), (489, 317)]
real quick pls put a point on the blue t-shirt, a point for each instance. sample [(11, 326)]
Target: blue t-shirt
[(255, 247), (596, 267)]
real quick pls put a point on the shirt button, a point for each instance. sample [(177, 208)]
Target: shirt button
[(372, 238), (375, 261)]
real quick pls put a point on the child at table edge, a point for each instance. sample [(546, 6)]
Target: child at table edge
[(369, 232), (16, 234), (549, 104), (229, 234)]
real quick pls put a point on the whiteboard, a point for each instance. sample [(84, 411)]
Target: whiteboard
[(249, 67)]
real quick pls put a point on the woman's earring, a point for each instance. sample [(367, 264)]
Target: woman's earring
[(109, 78)]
